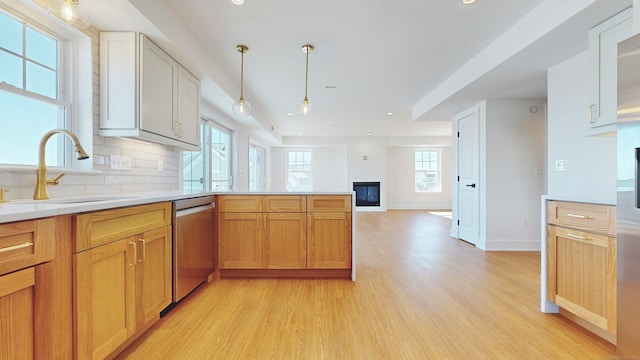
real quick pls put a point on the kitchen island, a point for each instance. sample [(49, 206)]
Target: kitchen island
[(65, 261)]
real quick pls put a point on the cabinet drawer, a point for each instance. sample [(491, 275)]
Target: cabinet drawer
[(101, 227), (284, 203), (26, 243), (329, 203), (240, 203), (586, 217)]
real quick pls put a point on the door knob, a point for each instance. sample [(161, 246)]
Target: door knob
[(472, 185)]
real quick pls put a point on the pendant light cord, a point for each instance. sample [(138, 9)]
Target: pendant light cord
[(306, 75), (242, 74)]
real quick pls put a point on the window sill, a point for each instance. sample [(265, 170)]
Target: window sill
[(7, 168)]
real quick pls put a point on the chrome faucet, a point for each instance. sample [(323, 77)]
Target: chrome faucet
[(41, 192)]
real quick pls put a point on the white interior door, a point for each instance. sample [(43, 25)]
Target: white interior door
[(468, 169)]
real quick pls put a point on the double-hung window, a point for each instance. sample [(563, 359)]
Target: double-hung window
[(299, 171), (256, 168), (427, 171), (32, 96)]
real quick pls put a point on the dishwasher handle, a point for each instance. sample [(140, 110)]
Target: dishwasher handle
[(193, 210)]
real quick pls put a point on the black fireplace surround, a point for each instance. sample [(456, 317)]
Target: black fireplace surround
[(367, 193)]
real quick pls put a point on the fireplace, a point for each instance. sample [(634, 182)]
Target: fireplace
[(367, 193)]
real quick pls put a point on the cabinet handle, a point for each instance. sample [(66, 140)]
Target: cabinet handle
[(265, 222), (311, 222), (592, 110), (258, 222), (575, 236), (135, 253), (16, 247), (144, 250), (578, 216)]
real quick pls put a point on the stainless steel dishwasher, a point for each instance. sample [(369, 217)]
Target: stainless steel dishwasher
[(194, 247)]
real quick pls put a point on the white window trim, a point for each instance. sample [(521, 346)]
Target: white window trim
[(76, 79), (439, 171)]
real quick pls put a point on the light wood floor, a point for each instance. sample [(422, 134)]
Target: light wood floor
[(419, 295)]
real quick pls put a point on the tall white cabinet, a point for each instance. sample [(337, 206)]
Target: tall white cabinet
[(144, 93)]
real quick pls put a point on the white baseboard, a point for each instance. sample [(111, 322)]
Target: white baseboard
[(513, 245)]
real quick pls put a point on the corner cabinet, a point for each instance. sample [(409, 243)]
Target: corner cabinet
[(603, 60), (581, 263), (122, 275), (144, 93)]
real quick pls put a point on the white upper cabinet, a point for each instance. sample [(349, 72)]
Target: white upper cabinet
[(144, 93), (603, 58)]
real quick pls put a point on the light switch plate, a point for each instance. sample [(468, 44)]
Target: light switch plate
[(117, 162), (562, 165)]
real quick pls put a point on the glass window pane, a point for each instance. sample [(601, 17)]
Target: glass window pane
[(10, 69), (27, 120), (42, 48), (11, 31), (41, 80)]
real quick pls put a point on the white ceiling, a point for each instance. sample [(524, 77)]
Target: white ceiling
[(420, 59)]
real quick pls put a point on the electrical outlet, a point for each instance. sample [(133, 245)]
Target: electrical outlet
[(160, 165), (117, 162)]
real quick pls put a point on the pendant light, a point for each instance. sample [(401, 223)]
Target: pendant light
[(68, 11), (305, 107), (242, 107)]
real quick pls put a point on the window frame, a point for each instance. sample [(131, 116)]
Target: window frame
[(288, 170), (257, 183), (438, 171), (74, 84)]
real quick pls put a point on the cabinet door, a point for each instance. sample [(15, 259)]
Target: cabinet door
[(582, 275), (158, 101), (329, 241), (104, 297), (285, 241), (603, 57), (16, 314), (188, 108), (153, 274), (240, 240)]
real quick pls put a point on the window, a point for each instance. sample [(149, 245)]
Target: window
[(210, 168), (427, 166), (32, 99), (299, 171), (256, 168)]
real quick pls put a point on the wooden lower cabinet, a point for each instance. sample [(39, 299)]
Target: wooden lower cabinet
[(120, 288), (17, 338), (240, 240), (329, 241), (285, 241)]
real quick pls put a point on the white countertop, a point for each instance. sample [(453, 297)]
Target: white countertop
[(580, 200), (17, 210)]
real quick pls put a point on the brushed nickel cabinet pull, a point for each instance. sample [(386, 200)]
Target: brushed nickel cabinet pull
[(592, 117), (135, 253), (265, 222), (580, 216), (575, 236), (16, 247), (258, 222)]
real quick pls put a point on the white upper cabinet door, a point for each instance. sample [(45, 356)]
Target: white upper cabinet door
[(603, 58), (158, 100), (188, 107)]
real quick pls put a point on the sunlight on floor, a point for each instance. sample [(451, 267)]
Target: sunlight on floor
[(446, 214)]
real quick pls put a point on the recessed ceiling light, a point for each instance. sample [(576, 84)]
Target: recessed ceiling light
[(389, 113), (368, 134), (240, 2), (289, 114), (466, 2)]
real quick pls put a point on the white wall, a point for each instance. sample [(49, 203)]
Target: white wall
[(591, 174), (329, 168), (514, 178), (401, 180), (367, 161)]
